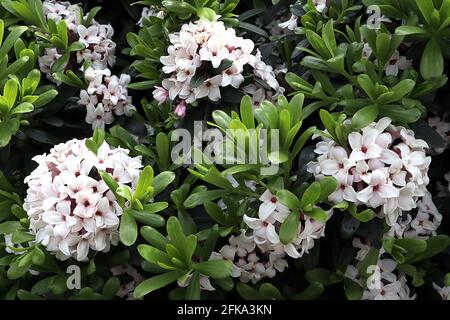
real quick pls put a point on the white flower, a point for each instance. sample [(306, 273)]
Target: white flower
[(270, 206), (321, 5), (396, 63), (291, 24), (209, 88), (344, 189), (70, 209), (97, 116), (378, 190), (364, 146)]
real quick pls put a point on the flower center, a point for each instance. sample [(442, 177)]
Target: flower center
[(273, 199), (364, 149)]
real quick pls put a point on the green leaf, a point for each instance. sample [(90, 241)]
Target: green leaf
[(128, 229), (111, 287), (199, 198), (365, 116), (313, 291), (311, 194), (216, 213), (156, 283), (247, 112), (161, 181), (217, 269), (353, 290), (148, 218), (289, 227), (10, 92), (154, 237), (435, 245), (206, 13), (432, 63), (144, 185), (317, 214), (193, 289), (328, 185), (176, 234), (24, 107), (288, 199)]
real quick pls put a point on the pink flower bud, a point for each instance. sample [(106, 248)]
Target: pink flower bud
[(180, 110)]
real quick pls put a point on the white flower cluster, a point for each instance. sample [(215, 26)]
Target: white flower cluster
[(99, 48), (260, 253), (251, 262), (204, 48), (422, 225), (148, 12), (69, 206), (385, 167), (383, 283), (105, 96)]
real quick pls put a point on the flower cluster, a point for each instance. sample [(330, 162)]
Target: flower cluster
[(261, 253), (384, 283), (385, 167), (251, 261), (419, 225), (69, 206), (105, 96), (205, 56), (97, 38)]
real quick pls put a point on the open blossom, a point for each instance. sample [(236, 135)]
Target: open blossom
[(69, 206), (291, 24), (396, 63), (216, 56), (385, 168), (97, 38), (105, 96)]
